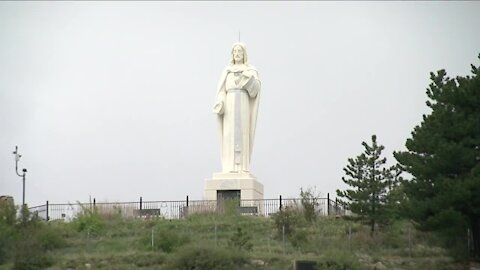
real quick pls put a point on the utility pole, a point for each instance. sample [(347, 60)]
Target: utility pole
[(17, 158)]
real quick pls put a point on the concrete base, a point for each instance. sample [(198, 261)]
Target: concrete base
[(250, 188)]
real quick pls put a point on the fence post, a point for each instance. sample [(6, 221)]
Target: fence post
[(215, 234), (328, 204), (336, 206), (153, 243), (94, 202), (185, 209), (469, 243), (350, 237), (48, 218), (140, 203), (409, 242), (280, 203)]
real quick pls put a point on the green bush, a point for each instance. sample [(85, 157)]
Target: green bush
[(7, 213), (7, 242), (90, 221), (50, 237), (27, 239), (229, 208), (338, 260), (114, 261), (241, 240), (287, 219), (205, 257), (7, 229), (30, 252), (34, 241), (31, 260), (145, 260), (395, 235), (167, 238), (300, 238)]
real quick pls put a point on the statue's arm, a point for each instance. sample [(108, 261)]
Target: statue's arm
[(252, 84), (219, 106)]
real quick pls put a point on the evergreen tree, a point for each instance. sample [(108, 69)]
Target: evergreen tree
[(443, 158), (370, 179), (395, 199)]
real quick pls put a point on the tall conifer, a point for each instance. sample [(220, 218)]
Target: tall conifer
[(369, 179), (443, 158)]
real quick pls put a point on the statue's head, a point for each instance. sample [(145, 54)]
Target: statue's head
[(239, 54)]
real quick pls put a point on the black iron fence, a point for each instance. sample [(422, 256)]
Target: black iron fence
[(180, 209)]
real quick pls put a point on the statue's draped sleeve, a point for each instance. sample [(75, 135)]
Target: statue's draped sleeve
[(253, 87), (221, 93), (220, 99), (251, 83)]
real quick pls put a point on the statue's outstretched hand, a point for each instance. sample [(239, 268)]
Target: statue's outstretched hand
[(218, 108)]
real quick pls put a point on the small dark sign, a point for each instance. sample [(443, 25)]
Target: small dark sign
[(304, 265)]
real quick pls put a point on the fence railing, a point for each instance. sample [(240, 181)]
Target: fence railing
[(180, 209)]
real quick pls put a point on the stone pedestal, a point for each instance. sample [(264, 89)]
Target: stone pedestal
[(250, 188)]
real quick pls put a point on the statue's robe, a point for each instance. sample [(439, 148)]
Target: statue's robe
[(238, 91)]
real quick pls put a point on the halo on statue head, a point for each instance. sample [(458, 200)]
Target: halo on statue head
[(245, 56)]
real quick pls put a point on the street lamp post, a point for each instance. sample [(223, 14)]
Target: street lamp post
[(17, 158)]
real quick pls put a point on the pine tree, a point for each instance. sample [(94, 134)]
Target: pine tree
[(369, 178), (443, 158)]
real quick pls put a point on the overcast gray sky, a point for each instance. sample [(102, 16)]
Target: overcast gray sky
[(114, 99)]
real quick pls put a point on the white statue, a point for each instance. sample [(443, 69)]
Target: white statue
[(236, 108)]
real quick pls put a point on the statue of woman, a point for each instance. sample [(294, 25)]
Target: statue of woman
[(236, 108)]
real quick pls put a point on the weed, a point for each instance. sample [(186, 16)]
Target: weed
[(338, 260), (205, 257), (167, 238), (90, 221), (310, 201)]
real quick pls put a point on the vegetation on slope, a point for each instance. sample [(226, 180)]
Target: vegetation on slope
[(214, 241)]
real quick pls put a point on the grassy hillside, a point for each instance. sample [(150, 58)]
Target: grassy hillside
[(229, 241)]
